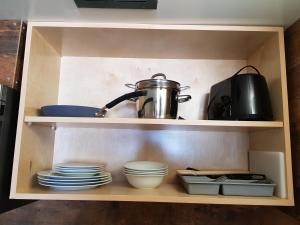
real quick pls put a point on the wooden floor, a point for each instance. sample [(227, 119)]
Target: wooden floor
[(128, 213), (109, 213)]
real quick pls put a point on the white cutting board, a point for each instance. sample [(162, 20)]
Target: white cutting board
[(272, 164)]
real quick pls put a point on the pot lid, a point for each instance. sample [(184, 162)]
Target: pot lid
[(158, 80)]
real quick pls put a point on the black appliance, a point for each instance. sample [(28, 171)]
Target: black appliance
[(9, 104), (240, 97)]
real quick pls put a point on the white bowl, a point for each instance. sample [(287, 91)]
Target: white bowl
[(144, 182), (145, 165), (145, 172)]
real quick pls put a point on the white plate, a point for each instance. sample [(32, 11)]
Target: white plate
[(145, 165), (72, 180), (74, 188), (79, 166), (69, 183), (75, 180), (51, 174), (77, 174), (78, 170)]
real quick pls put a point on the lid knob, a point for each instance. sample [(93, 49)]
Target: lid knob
[(159, 75)]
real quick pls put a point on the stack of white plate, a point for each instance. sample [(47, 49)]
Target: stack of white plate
[(74, 176), (145, 174)]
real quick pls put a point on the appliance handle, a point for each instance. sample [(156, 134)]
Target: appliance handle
[(247, 67), (209, 103)]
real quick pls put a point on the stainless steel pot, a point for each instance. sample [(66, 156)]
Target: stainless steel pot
[(161, 98)]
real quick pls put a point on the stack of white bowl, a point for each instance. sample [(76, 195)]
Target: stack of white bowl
[(145, 174)]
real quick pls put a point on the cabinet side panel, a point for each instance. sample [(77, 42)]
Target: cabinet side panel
[(43, 74), (286, 120), (267, 60), (36, 154), (270, 60), (292, 41), (34, 145)]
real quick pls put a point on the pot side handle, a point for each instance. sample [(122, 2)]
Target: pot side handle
[(183, 98), (132, 86), (184, 88)]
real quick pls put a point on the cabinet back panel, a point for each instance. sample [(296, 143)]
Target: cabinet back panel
[(95, 81), (169, 42), (179, 149), (267, 140)]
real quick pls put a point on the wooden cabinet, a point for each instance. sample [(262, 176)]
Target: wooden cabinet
[(89, 63)]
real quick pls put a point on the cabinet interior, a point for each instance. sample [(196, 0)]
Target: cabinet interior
[(89, 66)]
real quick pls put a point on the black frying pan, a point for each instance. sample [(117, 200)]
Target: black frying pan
[(85, 111)]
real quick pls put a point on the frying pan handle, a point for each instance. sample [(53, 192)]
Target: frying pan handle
[(247, 67), (127, 96)]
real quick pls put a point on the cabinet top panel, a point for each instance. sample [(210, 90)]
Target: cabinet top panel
[(155, 26), (153, 41)]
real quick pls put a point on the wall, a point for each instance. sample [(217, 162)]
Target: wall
[(124, 213), (255, 12), (10, 61)]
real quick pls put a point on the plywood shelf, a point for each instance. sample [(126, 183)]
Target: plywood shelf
[(150, 123), (165, 193)]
